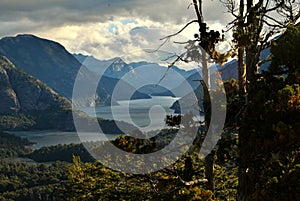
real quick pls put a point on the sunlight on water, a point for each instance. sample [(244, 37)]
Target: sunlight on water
[(139, 111)]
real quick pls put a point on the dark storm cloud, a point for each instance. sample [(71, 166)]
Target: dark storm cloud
[(43, 14)]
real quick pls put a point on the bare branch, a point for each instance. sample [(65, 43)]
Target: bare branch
[(279, 23), (182, 43), (179, 58), (275, 7), (231, 7), (188, 24), (273, 25), (160, 46), (190, 183)]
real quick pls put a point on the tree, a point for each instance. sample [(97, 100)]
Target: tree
[(255, 24), (201, 50), (264, 111), (285, 59)]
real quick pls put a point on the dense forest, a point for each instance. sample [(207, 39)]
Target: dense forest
[(50, 180)]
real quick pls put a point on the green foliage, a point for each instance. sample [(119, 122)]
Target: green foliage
[(282, 181), (92, 181), (226, 180), (53, 118), (27, 180), (15, 122), (22, 181), (173, 121), (13, 146), (270, 125), (89, 181), (285, 54), (60, 153), (272, 128)]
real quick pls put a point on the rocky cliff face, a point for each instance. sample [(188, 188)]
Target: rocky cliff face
[(9, 102), (23, 95)]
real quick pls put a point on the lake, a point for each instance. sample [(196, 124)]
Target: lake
[(50, 138), (137, 112), (146, 114)]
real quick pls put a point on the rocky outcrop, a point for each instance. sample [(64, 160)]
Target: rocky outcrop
[(9, 102), (23, 96)]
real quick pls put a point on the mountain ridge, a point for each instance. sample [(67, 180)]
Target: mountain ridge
[(32, 100), (50, 62), (29, 104), (145, 76)]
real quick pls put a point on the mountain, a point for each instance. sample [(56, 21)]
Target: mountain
[(27, 103), (48, 61), (191, 96), (55, 66), (44, 59), (230, 69), (117, 68), (95, 65), (142, 74)]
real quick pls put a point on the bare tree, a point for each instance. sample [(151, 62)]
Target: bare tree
[(202, 49)]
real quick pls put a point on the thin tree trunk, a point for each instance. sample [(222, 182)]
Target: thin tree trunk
[(245, 184), (209, 159), (241, 53), (250, 69), (241, 71), (209, 172)]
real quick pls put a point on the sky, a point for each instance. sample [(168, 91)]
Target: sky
[(107, 28)]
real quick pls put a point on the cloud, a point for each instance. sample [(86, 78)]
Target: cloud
[(60, 12), (103, 27)]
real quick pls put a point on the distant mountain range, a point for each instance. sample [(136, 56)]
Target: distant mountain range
[(117, 68), (45, 73), (55, 66), (32, 94), (148, 78)]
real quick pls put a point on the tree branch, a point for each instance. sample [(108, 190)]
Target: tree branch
[(188, 24)]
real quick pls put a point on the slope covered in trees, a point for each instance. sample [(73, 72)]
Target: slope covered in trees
[(261, 134)]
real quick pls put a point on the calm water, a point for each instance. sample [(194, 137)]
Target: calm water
[(146, 114), (49, 138)]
